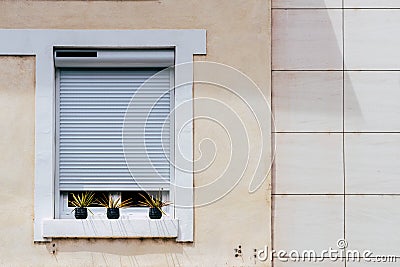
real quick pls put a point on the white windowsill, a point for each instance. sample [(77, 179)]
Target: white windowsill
[(105, 228)]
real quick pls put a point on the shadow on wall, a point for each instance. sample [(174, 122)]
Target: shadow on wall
[(311, 93), (310, 86)]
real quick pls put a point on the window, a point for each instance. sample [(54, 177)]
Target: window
[(186, 43), (114, 129)]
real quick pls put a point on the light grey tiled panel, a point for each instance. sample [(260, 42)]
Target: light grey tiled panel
[(307, 101), (372, 263), (306, 3), (372, 39), (307, 222), (372, 223), (372, 163), (372, 101), (308, 164), (371, 3), (307, 39)]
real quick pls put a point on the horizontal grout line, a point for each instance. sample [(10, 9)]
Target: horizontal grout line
[(349, 70), (308, 132), (372, 194), (279, 132), (306, 8), (339, 257), (335, 8), (346, 194), (305, 194), (305, 70), (385, 70), (371, 132)]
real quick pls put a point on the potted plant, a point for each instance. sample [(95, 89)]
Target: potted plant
[(155, 204), (113, 205), (81, 202)]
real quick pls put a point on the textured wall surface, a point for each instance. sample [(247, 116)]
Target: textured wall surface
[(238, 34)]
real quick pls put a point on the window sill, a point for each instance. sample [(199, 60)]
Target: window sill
[(104, 228)]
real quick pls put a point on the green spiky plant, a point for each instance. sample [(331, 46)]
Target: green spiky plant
[(153, 202), (83, 200), (112, 202)]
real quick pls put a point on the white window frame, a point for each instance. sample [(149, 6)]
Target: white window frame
[(41, 43), (62, 211)]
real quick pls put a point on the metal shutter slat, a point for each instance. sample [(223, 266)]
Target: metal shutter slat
[(91, 111)]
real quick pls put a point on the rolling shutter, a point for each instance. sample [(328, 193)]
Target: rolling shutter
[(114, 130)]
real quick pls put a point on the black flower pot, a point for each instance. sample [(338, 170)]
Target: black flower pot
[(80, 213), (155, 213), (112, 213)]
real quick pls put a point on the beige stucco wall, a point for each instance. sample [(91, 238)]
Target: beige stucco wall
[(238, 34)]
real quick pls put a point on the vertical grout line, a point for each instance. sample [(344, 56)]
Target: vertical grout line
[(343, 126), (272, 198)]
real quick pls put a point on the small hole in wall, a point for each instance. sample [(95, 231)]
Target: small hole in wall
[(53, 249), (238, 251)]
